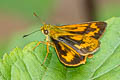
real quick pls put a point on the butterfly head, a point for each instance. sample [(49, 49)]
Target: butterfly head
[(45, 29)]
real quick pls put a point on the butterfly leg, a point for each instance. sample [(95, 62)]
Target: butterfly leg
[(47, 43), (39, 44)]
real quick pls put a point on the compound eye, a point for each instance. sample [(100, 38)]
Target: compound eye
[(46, 32)]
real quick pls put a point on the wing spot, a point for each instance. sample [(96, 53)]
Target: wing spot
[(77, 37), (93, 25), (90, 42), (77, 46), (69, 57), (77, 29), (62, 47)]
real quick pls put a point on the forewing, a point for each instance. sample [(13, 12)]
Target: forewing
[(91, 29), (67, 55)]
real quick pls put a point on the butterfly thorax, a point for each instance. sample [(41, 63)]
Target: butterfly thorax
[(52, 31)]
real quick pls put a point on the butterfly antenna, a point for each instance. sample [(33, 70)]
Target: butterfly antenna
[(38, 18), (30, 33)]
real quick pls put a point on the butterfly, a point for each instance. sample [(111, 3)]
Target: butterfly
[(73, 43)]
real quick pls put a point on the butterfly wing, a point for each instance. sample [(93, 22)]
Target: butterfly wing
[(67, 55), (91, 29), (81, 37), (73, 43), (85, 46)]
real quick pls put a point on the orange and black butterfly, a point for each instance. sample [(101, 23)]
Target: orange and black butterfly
[(73, 43)]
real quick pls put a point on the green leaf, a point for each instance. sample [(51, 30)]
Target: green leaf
[(25, 64)]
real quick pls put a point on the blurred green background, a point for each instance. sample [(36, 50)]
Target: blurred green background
[(16, 17)]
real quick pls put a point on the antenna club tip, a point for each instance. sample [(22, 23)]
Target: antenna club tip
[(34, 14), (25, 36), (30, 33)]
